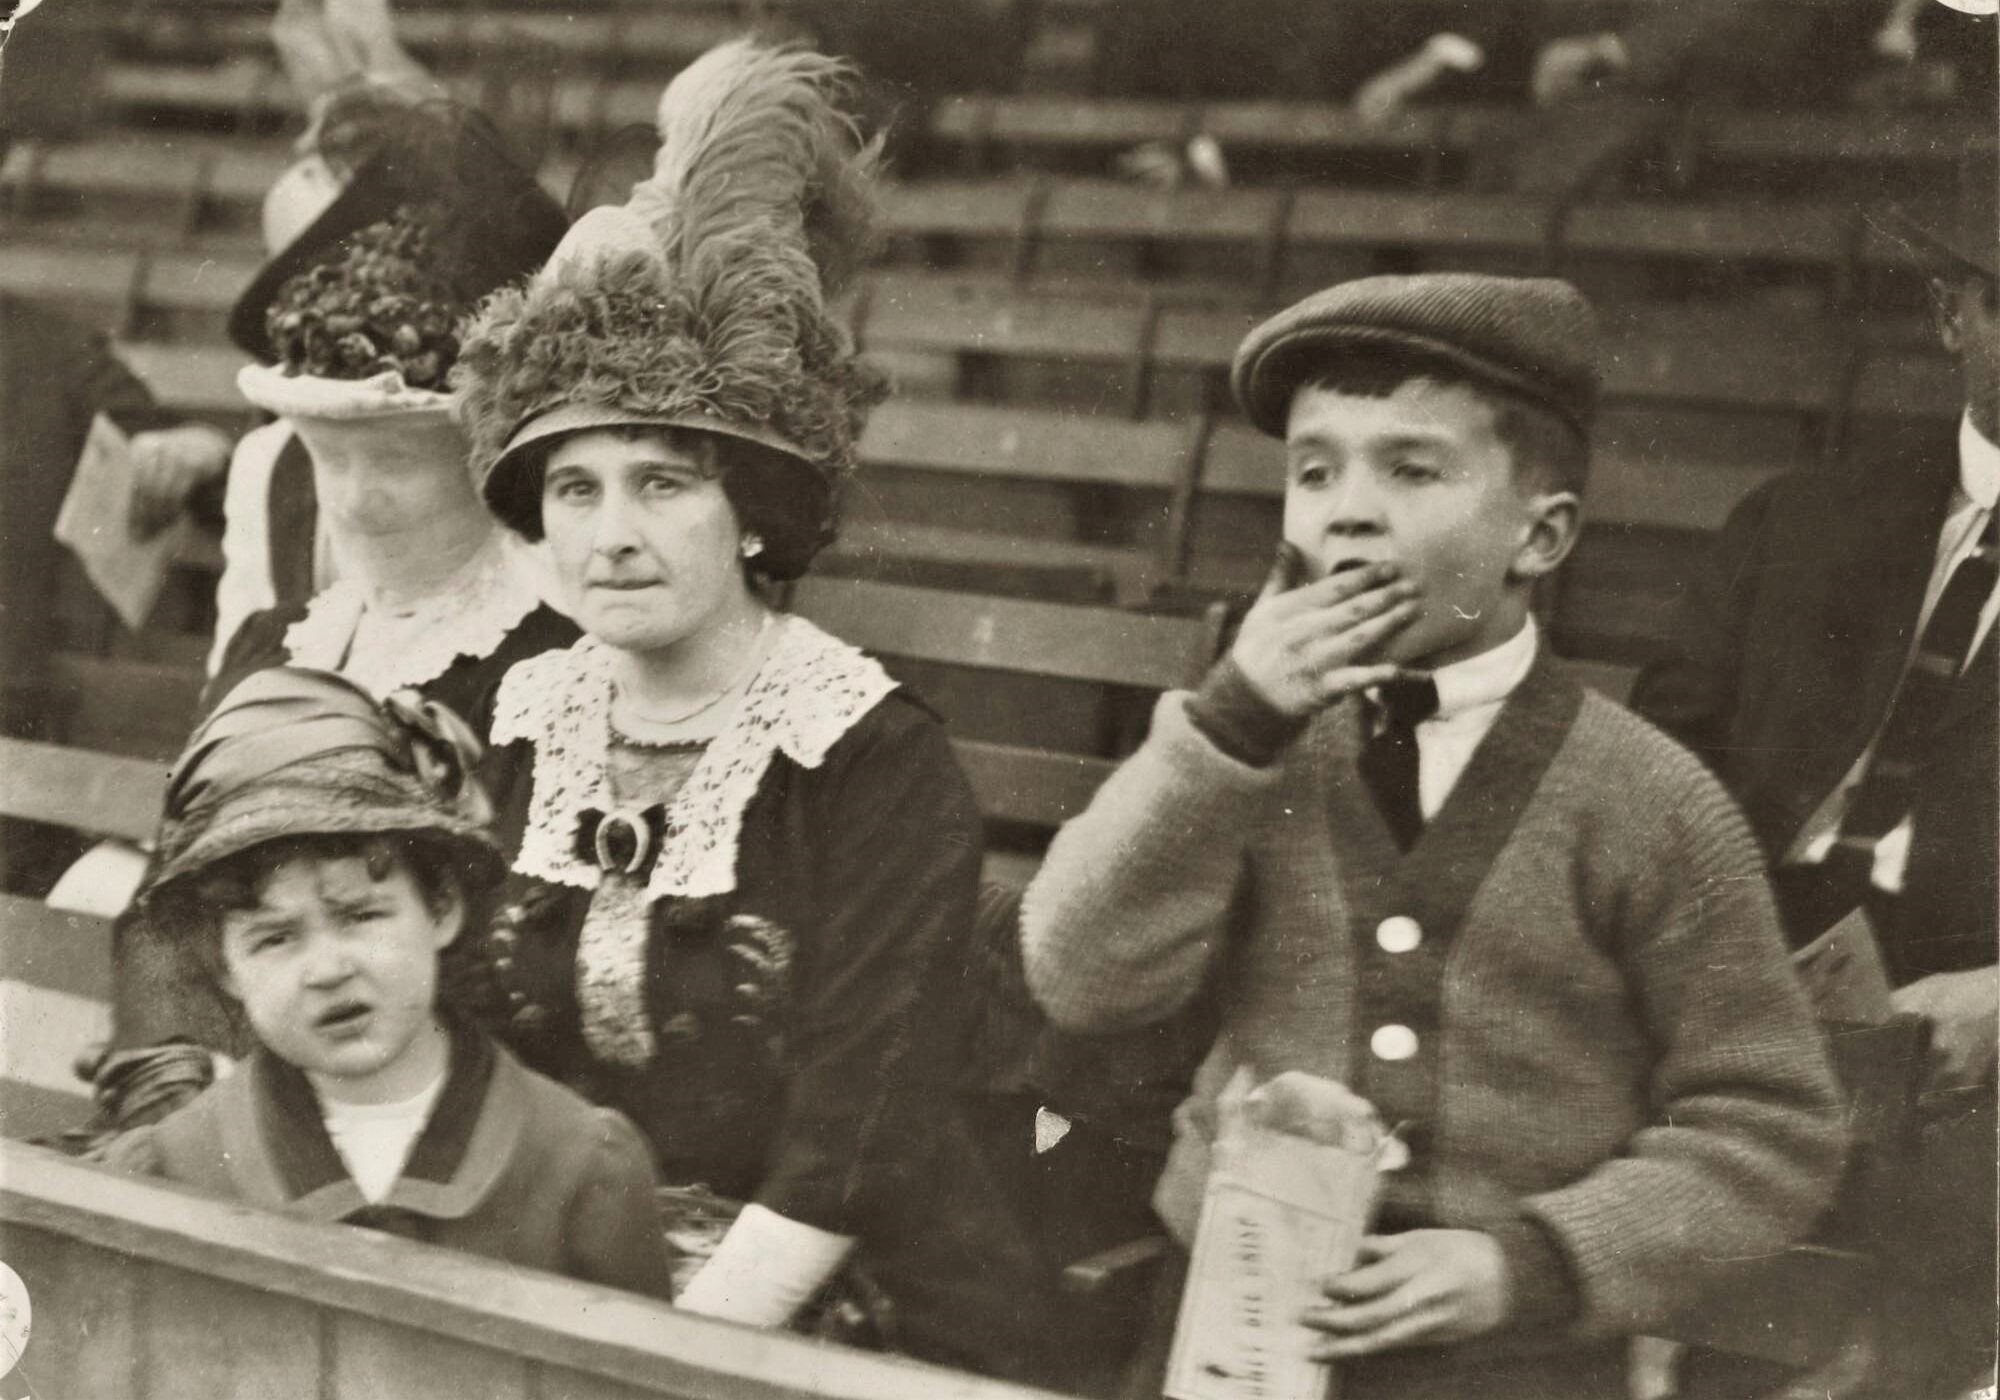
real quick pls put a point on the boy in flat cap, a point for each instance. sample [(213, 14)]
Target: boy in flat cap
[(1418, 858)]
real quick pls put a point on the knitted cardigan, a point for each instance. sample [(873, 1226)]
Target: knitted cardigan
[(1608, 1040)]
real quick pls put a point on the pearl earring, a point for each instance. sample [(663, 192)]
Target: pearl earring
[(753, 545)]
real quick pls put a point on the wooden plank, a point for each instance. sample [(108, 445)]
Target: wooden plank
[(1105, 209), (1025, 443), (928, 316), (87, 1335), (1794, 374), (1241, 461), (989, 633), (1418, 219), (35, 1111), (206, 1336), (195, 379), (140, 709), (1054, 122), (1319, 128), (236, 1255), (1034, 786), (1902, 137), (1795, 232), (1190, 338), (68, 274), (1607, 677), (1094, 565), (196, 281), (84, 791), (1909, 386), (370, 1360), (53, 948), (966, 208)]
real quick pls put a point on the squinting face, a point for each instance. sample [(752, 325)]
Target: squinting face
[(1420, 479), (645, 542), (337, 971)]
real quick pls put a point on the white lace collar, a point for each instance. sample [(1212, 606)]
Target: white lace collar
[(810, 691), (470, 615)]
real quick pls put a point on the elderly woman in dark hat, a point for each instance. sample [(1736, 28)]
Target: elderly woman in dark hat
[(745, 858), (355, 325)]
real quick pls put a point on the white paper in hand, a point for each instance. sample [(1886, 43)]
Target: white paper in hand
[(1290, 1190), (95, 524)]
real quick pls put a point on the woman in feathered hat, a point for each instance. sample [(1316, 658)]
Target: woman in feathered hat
[(746, 859)]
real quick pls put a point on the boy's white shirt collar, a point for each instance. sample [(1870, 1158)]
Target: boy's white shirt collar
[(1470, 694), (1485, 679)]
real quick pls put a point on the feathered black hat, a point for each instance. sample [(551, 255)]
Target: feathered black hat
[(701, 303)]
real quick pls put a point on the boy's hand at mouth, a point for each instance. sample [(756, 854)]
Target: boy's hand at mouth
[(1305, 647)]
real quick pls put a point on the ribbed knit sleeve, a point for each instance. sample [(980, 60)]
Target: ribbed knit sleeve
[(1745, 1141), (1125, 916)]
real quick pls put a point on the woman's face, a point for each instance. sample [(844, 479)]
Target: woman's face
[(645, 542)]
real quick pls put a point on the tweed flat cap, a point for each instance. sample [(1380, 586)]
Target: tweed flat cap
[(1535, 336)]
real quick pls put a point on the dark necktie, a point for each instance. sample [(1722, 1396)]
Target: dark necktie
[(1888, 788), (1388, 759)]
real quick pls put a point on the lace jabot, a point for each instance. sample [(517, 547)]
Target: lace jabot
[(810, 691), (470, 615)]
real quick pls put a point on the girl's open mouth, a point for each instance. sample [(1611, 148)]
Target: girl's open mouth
[(347, 1016)]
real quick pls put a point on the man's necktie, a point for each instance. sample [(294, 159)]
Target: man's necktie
[(1888, 788), (1388, 758)]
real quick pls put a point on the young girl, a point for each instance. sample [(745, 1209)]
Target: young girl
[(327, 849)]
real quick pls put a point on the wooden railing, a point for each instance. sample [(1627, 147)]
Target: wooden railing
[(141, 1291)]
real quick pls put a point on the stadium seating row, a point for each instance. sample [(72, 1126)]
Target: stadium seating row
[(249, 93), (1244, 246)]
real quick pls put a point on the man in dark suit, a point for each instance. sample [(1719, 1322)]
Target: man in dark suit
[(1836, 665)]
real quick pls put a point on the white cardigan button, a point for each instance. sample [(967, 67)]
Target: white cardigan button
[(1393, 1042), (1399, 933)]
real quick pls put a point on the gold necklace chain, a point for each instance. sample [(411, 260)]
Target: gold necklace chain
[(633, 712)]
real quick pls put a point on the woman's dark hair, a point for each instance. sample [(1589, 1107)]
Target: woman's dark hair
[(436, 863), (785, 502)]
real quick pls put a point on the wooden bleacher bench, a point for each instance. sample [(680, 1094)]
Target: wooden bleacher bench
[(136, 1282), (55, 968), (985, 642)]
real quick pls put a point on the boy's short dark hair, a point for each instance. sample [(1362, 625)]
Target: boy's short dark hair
[(1549, 453), (235, 883)]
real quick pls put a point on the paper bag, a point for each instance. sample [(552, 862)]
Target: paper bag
[(1843, 973), (1289, 1195), (95, 524)]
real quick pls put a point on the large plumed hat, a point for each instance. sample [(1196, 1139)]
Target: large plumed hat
[(486, 220), (1532, 336), (293, 751), (701, 303)]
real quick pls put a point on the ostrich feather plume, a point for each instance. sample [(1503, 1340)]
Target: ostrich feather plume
[(703, 300)]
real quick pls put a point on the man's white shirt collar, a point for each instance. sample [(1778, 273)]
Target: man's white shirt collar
[(1978, 465)]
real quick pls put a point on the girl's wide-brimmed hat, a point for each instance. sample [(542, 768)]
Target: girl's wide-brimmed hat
[(701, 303), (295, 752), (497, 224)]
